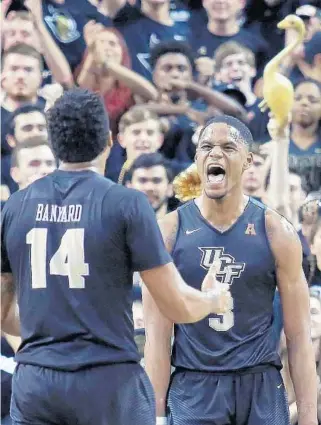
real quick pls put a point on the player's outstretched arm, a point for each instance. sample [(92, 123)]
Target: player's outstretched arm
[(157, 352), (294, 294), (9, 317), (158, 329), (176, 300)]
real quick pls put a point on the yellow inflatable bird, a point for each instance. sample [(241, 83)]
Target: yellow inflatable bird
[(278, 92)]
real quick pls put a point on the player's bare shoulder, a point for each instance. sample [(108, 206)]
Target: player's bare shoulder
[(169, 227), (283, 238)]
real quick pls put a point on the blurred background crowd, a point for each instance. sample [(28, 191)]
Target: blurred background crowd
[(163, 68)]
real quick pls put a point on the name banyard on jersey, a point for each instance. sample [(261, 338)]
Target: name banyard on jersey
[(72, 241), (242, 337)]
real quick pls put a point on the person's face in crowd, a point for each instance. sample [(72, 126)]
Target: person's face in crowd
[(297, 194), (17, 31), (253, 177), (315, 313), (141, 137), (138, 316), (307, 105), (109, 43), (310, 211), (221, 158), (316, 246), (154, 183), (28, 125), (172, 67), (21, 76), (33, 163), (223, 10), (236, 70)]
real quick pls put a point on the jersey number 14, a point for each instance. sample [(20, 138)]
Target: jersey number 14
[(69, 259)]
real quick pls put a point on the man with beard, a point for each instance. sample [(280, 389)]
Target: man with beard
[(151, 175), (21, 78)]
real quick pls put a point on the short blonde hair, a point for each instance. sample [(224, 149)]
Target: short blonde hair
[(232, 48), (136, 115)]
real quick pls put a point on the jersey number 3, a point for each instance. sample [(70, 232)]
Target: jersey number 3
[(223, 323), (69, 259)]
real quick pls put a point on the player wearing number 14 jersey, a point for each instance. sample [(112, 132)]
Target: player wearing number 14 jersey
[(227, 369), (71, 242)]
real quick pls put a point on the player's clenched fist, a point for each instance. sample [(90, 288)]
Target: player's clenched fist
[(222, 298)]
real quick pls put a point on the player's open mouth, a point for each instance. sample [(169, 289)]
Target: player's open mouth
[(215, 173)]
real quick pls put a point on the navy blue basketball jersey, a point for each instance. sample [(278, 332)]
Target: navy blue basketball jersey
[(242, 337), (72, 241)]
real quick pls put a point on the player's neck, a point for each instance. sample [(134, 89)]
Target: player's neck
[(158, 13), (222, 213), (79, 166), (223, 28)]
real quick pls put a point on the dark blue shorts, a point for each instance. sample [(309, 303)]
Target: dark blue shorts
[(252, 398), (119, 394)]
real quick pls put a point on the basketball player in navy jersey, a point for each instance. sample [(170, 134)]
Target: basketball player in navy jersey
[(227, 366), (71, 242)]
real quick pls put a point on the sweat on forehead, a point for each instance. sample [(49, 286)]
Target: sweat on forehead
[(236, 129)]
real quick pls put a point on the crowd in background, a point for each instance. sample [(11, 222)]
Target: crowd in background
[(163, 68)]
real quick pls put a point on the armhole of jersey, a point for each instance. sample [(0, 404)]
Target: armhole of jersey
[(177, 232)]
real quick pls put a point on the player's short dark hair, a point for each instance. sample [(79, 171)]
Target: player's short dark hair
[(245, 133), (33, 142), (25, 50), (172, 46), (24, 109), (78, 126), (149, 160)]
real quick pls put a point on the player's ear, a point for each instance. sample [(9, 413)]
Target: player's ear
[(248, 162), (129, 184)]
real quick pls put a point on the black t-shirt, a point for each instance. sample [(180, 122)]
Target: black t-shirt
[(66, 23)]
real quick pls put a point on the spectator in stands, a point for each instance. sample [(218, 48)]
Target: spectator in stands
[(140, 131), (151, 175), (309, 213), (26, 122), (315, 266), (29, 28), (184, 102), (106, 69), (224, 25), (310, 65), (144, 27), (305, 144), (297, 196), (255, 178), (32, 160), (65, 21), (21, 78), (235, 64), (19, 28), (315, 312)]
